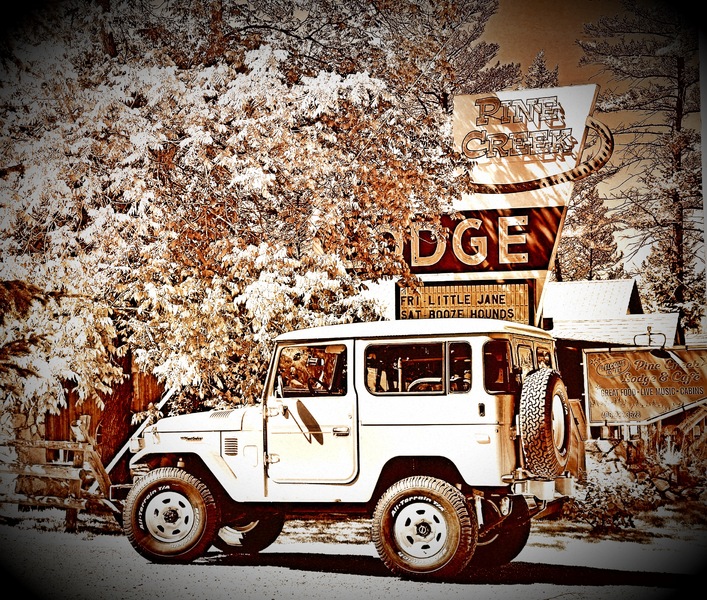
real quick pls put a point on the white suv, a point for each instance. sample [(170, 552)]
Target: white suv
[(450, 434)]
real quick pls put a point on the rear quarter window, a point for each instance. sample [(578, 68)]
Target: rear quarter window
[(418, 368), (498, 373)]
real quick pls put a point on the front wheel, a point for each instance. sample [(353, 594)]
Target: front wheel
[(170, 516), (423, 528), (248, 535)]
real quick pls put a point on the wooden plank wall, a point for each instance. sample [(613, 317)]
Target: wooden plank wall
[(110, 426)]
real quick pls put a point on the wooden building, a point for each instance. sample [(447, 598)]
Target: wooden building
[(609, 314)]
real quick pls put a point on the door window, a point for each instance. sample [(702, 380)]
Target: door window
[(305, 371), (459, 367), (418, 368), (405, 368)]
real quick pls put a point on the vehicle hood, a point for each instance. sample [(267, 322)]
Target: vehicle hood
[(234, 419)]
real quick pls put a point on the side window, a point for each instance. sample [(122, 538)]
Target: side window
[(405, 368), (497, 366), (459, 367), (312, 371), (525, 359), (544, 357)]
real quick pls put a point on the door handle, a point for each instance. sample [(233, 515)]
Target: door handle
[(341, 431)]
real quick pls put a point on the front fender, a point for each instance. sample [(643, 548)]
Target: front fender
[(177, 451)]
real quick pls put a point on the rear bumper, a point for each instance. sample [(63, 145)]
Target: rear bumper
[(546, 490)]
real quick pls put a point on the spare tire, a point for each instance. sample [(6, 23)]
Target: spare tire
[(545, 423)]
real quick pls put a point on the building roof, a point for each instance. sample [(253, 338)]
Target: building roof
[(606, 312), (596, 299), (629, 330)]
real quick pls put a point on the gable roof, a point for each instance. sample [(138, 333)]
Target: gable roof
[(629, 330), (596, 299), (606, 312)]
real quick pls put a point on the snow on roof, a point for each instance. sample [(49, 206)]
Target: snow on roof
[(629, 330), (596, 299)]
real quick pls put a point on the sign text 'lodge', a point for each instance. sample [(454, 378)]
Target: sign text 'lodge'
[(502, 240)]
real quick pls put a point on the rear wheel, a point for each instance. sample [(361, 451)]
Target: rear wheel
[(545, 423), (170, 516), (423, 528), (501, 544), (248, 535)]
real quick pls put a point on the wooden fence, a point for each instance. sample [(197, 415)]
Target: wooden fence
[(61, 474)]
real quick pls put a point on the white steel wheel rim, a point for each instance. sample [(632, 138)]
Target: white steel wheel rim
[(420, 530), (169, 517), (558, 422)]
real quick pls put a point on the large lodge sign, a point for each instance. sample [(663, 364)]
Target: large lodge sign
[(525, 150), (529, 140), (502, 240), (554, 140), (507, 301)]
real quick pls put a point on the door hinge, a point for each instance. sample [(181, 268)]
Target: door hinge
[(271, 459)]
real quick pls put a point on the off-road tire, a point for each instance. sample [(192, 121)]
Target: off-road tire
[(545, 419), (251, 535), (170, 516), (423, 529)]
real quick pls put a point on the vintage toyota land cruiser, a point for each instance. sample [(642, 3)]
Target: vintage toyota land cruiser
[(449, 434)]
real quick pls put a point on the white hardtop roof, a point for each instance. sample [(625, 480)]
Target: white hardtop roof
[(412, 328)]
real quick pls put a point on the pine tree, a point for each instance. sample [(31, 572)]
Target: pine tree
[(539, 76), (588, 248), (662, 284), (651, 51)]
